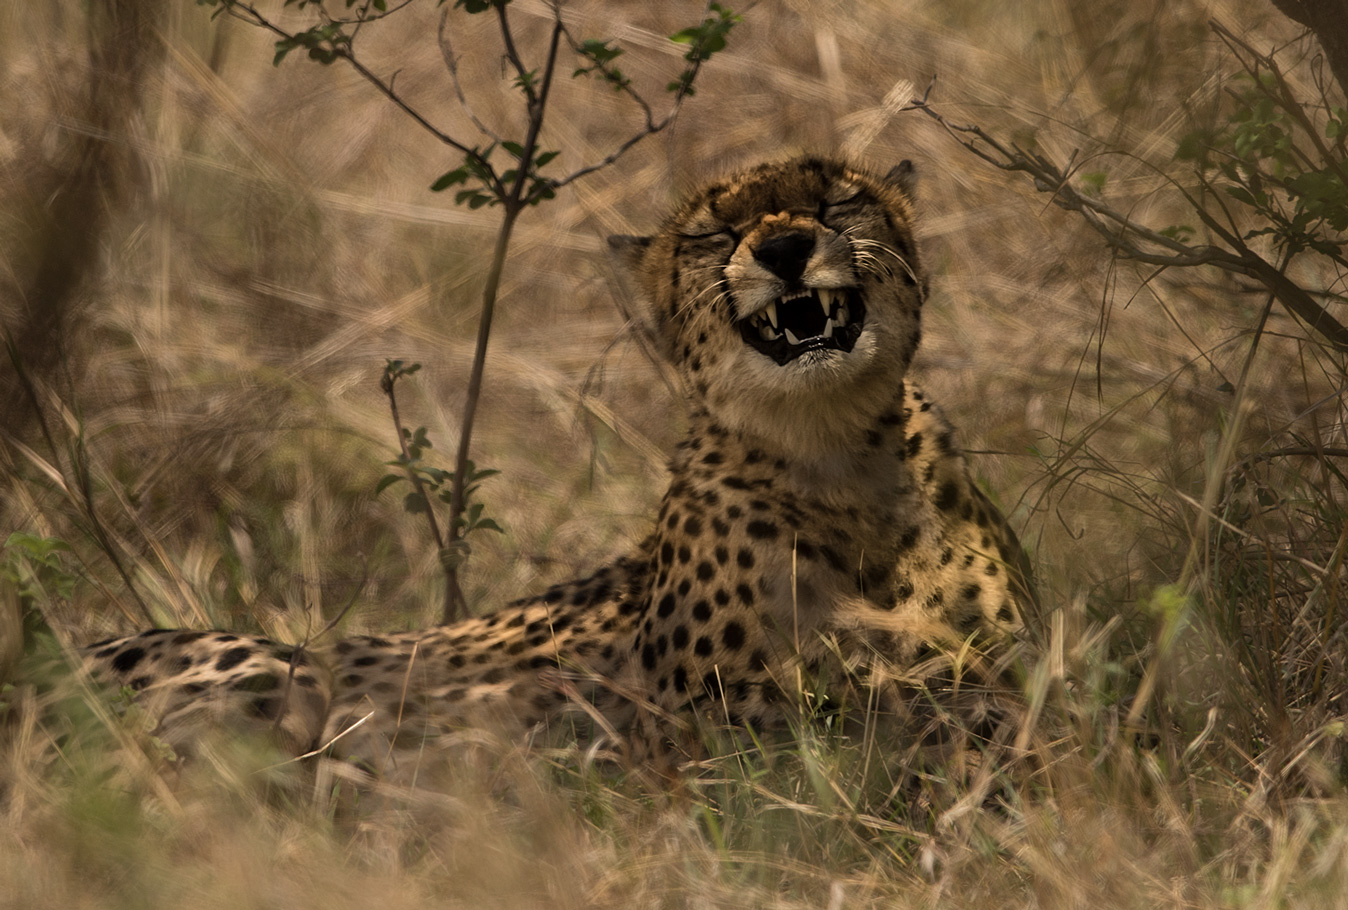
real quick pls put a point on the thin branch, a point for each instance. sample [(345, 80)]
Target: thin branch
[(536, 112), (514, 57), (1124, 234), (452, 64), (452, 594), (513, 205), (610, 75), (384, 88)]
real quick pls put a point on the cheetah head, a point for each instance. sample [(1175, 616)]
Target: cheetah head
[(787, 296)]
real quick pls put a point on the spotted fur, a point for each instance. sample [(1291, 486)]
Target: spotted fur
[(819, 511)]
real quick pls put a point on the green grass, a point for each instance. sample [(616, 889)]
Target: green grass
[(252, 243)]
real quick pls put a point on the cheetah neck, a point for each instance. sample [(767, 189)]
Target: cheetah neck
[(839, 460)]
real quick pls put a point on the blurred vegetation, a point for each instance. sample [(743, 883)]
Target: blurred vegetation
[(207, 262)]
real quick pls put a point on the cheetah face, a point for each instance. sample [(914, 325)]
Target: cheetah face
[(784, 287)]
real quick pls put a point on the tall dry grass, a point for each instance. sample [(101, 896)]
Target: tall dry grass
[(205, 262)]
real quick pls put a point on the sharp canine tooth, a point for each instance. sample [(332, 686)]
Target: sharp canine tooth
[(826, 301), (767, 334), (828, 329), (772, 313), (791, 338)]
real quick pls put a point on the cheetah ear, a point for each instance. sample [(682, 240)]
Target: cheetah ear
[(630, 250), (904, 176)]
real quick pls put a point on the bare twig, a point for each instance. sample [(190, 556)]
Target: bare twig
[(1136, 241), (452, 64)]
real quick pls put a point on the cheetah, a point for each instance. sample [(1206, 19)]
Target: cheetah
[(819, 509)]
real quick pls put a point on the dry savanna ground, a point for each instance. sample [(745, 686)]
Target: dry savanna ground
[(205, 261)]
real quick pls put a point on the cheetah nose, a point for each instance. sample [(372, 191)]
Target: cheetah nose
[(785, 255)]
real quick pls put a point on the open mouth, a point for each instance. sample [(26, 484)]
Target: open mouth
[(814, 319)]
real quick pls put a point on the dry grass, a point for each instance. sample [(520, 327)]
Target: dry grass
[(206, 261)]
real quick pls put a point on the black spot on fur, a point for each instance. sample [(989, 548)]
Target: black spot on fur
[(232, 658), (666, 607), (948, 496), (908, 538), (833, 558), (733, 636), (705, 571), (762, 530), (127, 660), (702, 611), (265, 707), (703, 648), (257, 682), (368, 660), (680, 639), (746, 594)]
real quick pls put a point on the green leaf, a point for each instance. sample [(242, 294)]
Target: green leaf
[(489, 525), (448, 179), (387, 481), (415, 503), (283, 47), (513, 148)]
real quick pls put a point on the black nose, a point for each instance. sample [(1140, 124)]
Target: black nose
[(785, 255)]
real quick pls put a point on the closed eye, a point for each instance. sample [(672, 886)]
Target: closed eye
[(727, 233), (844, 207)]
